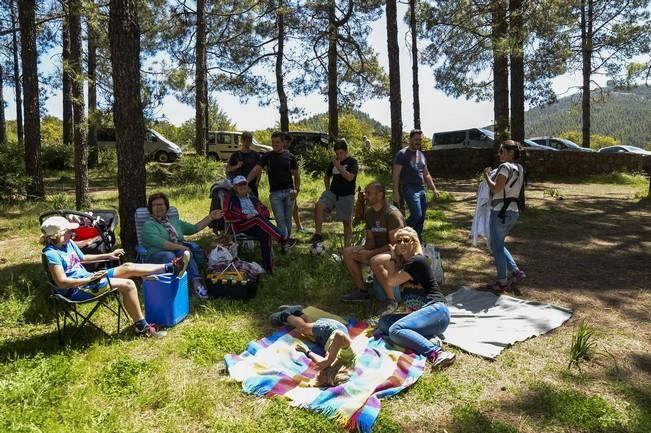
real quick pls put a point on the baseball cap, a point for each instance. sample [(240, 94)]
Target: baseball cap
[(239, 179), (56, 224)]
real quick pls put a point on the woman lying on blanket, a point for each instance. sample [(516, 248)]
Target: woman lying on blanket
[(335, 368), (417, 330), (65, 262)]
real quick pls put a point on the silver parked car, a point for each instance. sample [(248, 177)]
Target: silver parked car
[(624, 149), (559, 143)]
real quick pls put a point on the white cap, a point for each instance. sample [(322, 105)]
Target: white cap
[(56, 224), (239, 179)]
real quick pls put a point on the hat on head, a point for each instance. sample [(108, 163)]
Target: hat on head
[(239, 179), (56, 224)]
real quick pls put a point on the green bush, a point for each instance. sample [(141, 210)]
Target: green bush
[(189, 170), (107, 163), (315, 162), (13, 179), (57, 156), (377, 160)]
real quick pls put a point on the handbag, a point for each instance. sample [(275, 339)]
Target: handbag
[(435, 263)]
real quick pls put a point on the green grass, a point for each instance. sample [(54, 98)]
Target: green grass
[(174, 384)]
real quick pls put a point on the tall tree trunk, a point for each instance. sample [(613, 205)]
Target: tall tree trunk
[(124, 31), (414, 62), (333, 106), (17, 85), (82, 194), (93, 151), (67, 77), (29, 55), (3, 123), (394, 76), (586, 49), (280, 80), (517, 70), (201, 91), (500, 72)]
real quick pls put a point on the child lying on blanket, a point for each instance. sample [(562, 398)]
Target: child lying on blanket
[(335, 368)]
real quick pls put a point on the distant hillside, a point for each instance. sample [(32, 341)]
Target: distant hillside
[(622, 114), (319, 122)]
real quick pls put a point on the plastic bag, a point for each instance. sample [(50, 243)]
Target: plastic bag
[(435, 262), (220, 254)]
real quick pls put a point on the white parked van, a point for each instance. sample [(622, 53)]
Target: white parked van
[(464, 138), (156, 146), (221, 144)]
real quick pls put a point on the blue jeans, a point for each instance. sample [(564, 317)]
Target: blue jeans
[(197, 258), (282, 204), (414, 330), (416, 198), (498, 230)]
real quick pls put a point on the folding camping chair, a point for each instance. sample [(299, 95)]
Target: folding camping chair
[(218, 193), (68, 308), (142, 215)]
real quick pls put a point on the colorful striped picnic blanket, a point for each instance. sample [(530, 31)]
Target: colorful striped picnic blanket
[(272, 366)]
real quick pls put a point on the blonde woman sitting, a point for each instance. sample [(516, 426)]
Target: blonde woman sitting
[(417, 330)]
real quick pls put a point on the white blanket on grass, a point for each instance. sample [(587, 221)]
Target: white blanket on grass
[(485, 324)]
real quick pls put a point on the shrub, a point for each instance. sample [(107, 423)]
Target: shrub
[(190, 169), (13, 179), (57, 156), (378, 160), (316, 161)]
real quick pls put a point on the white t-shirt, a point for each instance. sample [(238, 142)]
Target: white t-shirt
[(514, 174)]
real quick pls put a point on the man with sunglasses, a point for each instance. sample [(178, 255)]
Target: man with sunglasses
[(382, 222)]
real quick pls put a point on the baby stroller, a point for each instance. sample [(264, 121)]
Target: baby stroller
[(96, 231)]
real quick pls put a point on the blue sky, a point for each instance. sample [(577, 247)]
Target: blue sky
[(438, 111)]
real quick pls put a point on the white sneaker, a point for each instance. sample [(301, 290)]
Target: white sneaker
[(436, 341), (443, 360)]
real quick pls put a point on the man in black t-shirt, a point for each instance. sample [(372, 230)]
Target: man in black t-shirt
[(243, 161), (339, 194), (284, 181)]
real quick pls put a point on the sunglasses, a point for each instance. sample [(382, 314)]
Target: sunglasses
[(403, 241)]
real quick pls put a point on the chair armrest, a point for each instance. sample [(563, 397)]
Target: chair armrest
[(141, 251)]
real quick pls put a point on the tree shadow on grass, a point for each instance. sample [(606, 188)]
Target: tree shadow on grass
[(574, 410), (47, 343)]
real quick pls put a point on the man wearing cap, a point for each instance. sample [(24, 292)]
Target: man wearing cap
[(65, 264), (248, 216), (284, 182), (242, 162)]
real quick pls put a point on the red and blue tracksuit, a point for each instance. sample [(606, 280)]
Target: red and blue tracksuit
[(257, 226)]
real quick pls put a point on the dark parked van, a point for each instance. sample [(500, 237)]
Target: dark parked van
[(303, 141)]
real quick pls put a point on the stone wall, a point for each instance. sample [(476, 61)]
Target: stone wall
[(463, 163)]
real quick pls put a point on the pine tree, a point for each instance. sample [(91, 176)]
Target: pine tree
[(124, 30), (29, 54)]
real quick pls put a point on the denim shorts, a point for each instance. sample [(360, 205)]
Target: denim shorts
[(89, 291), (322, 329)]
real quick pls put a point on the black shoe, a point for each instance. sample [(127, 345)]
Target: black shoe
[(288, 244), (316, 238), (355, 296)]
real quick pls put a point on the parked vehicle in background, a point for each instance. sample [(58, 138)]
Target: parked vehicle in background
[(624, 149), (303, 141), (156, 146), (221, 144), (559, 143), (463, 138), (532, 145)]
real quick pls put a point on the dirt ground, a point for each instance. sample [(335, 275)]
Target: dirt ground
[(587, 247)]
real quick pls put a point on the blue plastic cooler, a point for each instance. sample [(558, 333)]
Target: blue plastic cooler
[(166, 299)]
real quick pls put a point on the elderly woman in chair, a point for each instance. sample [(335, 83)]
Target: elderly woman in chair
[(246, 214), (65, 265), (163, 237)]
